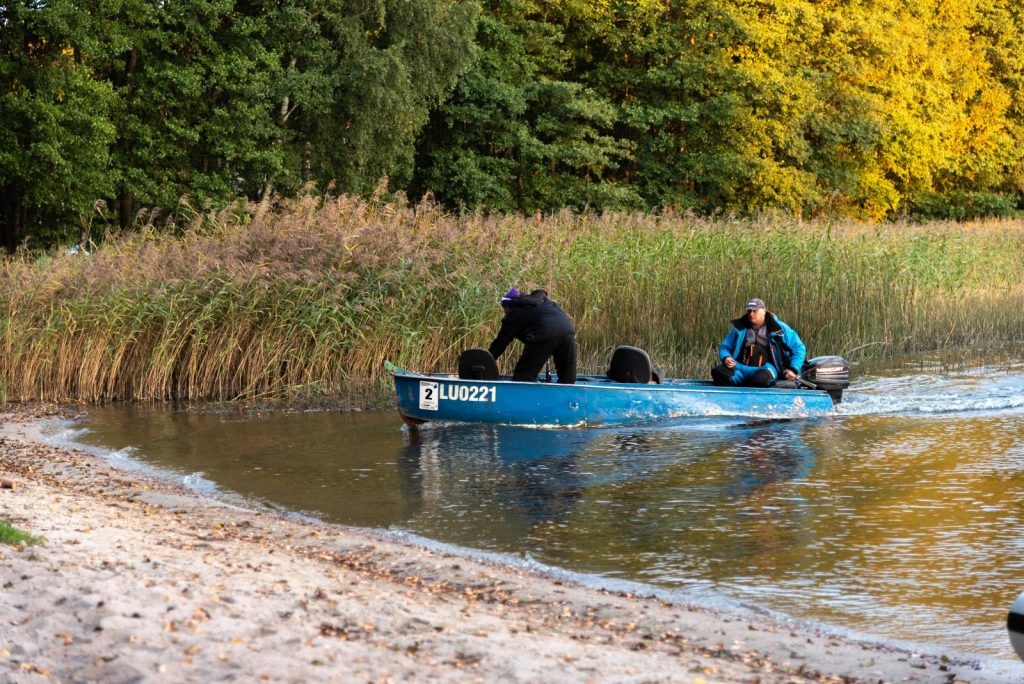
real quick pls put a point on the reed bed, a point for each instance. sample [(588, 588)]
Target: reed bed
[(307, 302)]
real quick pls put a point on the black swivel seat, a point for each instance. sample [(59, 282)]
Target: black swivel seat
[(630, 364), (477, 364)]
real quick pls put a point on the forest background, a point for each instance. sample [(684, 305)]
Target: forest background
[(235, 179), (111, 110)]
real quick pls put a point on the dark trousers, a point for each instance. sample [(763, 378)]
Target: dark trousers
[(748, 376), (562, 350)]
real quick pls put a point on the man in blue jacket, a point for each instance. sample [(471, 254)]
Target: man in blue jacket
[(759, 350), (545, 331)]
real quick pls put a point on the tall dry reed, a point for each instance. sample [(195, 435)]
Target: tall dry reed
[(309, 301)]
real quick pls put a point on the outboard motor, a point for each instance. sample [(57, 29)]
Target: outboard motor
[(830, 373)]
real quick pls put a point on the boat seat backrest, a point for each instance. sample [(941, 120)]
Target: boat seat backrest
[(477, 364), (630, 364)]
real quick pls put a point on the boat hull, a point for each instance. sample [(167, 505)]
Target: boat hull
[(591, 401)]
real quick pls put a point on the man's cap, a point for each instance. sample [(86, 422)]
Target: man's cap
[(755, 304), (507, 297)]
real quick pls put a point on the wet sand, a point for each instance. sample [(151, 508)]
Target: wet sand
[(140, 580)]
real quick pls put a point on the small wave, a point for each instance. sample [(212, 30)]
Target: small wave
[(198, 483), (977, 390)]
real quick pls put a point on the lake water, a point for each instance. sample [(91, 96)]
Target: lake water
[(900, 517)]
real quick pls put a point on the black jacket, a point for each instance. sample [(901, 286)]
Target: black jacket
[(530, 319)]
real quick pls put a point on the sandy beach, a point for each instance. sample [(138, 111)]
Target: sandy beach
[(139, 580)]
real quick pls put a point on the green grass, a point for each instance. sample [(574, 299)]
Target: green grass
[(15, 537), (306, 303)]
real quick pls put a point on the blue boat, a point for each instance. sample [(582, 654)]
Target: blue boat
[(631, 392)]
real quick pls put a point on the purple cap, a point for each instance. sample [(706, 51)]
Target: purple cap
[(507, 297), (755, 304)]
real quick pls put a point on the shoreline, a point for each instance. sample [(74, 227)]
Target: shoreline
[(143, 580)]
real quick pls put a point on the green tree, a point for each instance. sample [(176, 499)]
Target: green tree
[(55, 124), (252, 95), (516, 134), (142, 103), (193, 79), (396, 59)]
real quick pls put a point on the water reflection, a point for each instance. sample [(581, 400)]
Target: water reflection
[(492, 484), (668, 503), (773, 515), (706, 502), (772, 453)]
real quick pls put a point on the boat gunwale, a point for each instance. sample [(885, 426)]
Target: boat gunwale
[(603, 382)]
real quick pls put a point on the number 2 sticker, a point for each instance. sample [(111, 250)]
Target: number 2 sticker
[(428, 395)]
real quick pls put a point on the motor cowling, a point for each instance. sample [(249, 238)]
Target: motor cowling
[(830, 373)]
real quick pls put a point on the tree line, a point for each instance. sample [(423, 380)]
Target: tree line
[(116, 111)]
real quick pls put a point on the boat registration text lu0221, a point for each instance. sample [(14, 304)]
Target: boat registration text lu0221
[(431, 393)]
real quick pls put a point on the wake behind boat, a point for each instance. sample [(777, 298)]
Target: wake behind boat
[(631, 392)]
